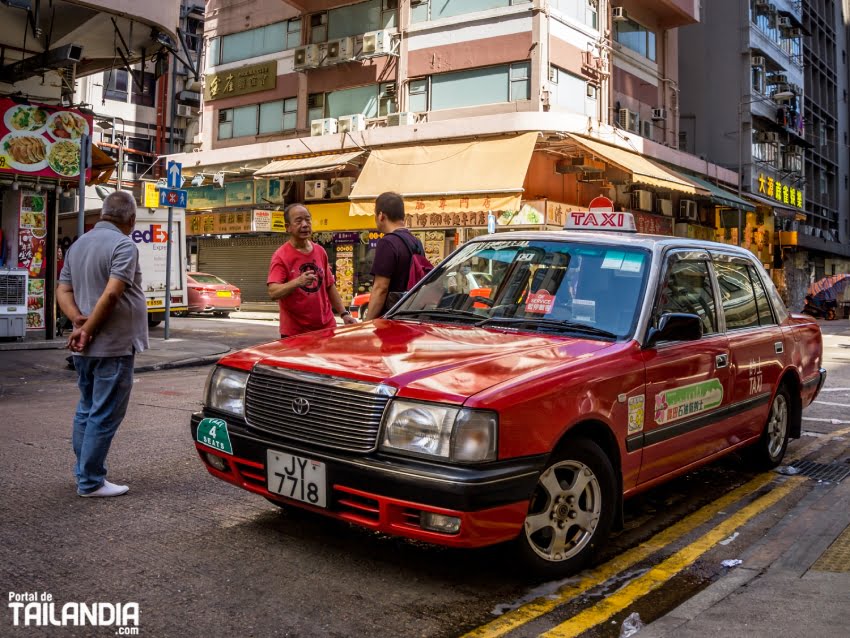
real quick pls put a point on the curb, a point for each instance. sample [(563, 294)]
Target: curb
[(183, 363)]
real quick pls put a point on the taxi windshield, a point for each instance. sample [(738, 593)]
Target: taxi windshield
[(594, 290)]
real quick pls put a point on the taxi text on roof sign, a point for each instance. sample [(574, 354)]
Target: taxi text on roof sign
[(592, 220)]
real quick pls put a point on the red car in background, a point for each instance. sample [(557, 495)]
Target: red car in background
[(208, 293)]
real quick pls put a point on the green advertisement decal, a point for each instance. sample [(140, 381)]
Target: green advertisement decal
[(213, 433), (688, 400)]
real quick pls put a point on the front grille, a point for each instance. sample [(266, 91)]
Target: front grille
[(343, 415)]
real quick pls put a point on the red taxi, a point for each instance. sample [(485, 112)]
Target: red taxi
[(595, 366)]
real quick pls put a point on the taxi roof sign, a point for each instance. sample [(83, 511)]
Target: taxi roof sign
[(600, 220)]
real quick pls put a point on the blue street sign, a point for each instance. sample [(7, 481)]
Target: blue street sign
[(174, 172), (173, 197)]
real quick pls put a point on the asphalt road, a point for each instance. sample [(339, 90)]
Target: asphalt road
[(203, 558)]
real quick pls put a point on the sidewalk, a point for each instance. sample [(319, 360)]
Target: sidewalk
[(794, 582), (40, 356)]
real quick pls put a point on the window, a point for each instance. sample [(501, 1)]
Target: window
[(765, 314), (116, 84), (489, 85), (687, 288), (635, 37), (134, 163), (584, 11), (258, 119), (435, 10), (758, 79), (570, 92), (147, 96), (417, 95), (738, 296), (273, 38), (315, 106), (361, 99), (355, 19)]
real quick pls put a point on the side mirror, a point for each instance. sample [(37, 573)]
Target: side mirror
[(675, 326)]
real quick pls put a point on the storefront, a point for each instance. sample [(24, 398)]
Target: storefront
[(39, 165)]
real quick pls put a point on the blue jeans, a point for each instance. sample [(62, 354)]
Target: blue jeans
[(105, 384)]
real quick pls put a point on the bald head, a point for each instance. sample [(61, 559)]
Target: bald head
[(119, 208)]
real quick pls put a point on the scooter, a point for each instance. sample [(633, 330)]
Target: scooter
[(820, 308)]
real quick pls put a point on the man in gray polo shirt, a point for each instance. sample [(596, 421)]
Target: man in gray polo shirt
[(100, 291)]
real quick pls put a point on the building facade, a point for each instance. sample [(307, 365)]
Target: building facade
[(759, 94), (517, 110)]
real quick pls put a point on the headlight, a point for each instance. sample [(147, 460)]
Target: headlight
[(431, 429), (226, 390)]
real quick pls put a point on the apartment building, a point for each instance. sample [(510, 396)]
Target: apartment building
[(758, 96), (502, 112)]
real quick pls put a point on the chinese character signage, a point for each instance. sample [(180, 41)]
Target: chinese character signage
[(781, 192), (248, 79), (219, 223), (40, 140)]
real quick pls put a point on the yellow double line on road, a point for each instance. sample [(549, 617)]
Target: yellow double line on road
[(657, 576)]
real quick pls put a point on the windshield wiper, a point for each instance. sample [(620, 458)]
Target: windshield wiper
[(548, 323), (440, 313)]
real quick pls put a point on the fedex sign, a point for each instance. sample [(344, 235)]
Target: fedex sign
[(155, 234)]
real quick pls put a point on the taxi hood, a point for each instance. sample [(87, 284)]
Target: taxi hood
[(424, 361)]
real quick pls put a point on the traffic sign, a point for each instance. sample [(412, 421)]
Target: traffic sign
[(175, 174), (173, 197)]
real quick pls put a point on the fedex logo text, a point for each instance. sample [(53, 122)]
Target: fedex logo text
[(156, 234)]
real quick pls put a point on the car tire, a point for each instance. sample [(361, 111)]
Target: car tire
[(153, 323), (549, 544), (769, 450), (222, 315)]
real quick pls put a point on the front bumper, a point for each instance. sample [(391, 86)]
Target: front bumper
[(387, 493)]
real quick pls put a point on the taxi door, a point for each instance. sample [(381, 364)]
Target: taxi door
[(756, 341), (688, 383)]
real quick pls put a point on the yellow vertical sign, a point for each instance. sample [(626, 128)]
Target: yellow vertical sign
[(151, 199)]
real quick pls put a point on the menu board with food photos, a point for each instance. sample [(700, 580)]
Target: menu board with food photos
[(32, 250), (434, 242), (345, 271), (41, 140)]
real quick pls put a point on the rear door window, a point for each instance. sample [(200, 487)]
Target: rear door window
[(737, 295), (687, 288)]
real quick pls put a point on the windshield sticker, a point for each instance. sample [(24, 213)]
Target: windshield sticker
[(613, 260), (540, 303), (584, 310), (687, 401), (213, 433), (632, 263), (636, 412)]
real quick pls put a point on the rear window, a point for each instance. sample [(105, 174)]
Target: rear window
[(208, 279)]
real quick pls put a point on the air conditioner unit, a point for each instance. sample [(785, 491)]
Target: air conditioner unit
[(404, 118), (762, 6), (688, 210), (630, 121), (793, 150), (784, 22), (758, 60), (325, 126), (184, 110), (376, 43), (341, 50), (665, 207), (13, 302), (618, 14), (349, 123), (777, 78), (796, 32), (315, 189), (306, 57), (341, 187), (767, 137), (642, 200), (659, 114)]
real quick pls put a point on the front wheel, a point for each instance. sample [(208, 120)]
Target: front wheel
[(571, 511), (768, 452)]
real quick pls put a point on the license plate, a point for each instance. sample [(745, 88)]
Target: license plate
[(296, 477), (222, 293)]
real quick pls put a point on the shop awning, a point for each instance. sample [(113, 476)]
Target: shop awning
[(721, 196), (642, 169), (289, 166), (451, 177)]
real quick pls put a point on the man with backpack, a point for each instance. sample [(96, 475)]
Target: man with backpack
[(400, 260)]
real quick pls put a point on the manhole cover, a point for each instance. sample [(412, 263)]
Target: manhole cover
[(832, 472)]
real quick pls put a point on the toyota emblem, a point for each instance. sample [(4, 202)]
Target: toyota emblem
[(300, 406)]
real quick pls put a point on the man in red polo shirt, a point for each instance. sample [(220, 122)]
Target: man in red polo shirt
[(301, 281)]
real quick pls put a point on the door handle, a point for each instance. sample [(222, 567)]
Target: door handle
[(722, 360), (779, 347)]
